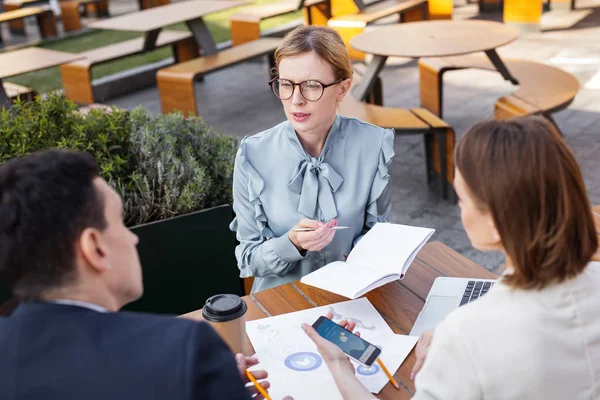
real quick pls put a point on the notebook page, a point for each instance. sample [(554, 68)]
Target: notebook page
[(346, 279), (382, 281), (389, 247)]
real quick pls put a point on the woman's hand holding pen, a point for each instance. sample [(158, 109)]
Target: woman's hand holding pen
[(314, 240)]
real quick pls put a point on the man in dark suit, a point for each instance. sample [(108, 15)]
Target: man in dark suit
[(70, 258)]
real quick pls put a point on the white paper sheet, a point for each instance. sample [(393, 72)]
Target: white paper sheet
[(294, 364)]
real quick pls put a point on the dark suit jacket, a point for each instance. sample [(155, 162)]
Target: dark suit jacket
[(52, 351)]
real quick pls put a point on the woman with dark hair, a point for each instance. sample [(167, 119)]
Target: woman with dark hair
[(536, 333)]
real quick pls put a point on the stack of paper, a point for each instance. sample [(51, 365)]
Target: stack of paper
[(295, 366)]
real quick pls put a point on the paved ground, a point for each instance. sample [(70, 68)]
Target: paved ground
[(237, 101)]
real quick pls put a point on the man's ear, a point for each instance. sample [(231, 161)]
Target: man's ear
[(92, 249), (344, 89)]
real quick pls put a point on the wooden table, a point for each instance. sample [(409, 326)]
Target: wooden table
[(152, 21), (398, 302), (431, 39), (27, 60), (10, 5)]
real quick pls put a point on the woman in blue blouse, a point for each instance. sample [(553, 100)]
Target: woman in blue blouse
[(316, 170)]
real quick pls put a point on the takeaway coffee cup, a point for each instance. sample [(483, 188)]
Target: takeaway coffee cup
[(226, 313)]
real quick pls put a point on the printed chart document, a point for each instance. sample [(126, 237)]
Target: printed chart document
[(383, 255), (297, 369)]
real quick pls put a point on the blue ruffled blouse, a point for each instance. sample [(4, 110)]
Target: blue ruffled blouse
[(276, 183)]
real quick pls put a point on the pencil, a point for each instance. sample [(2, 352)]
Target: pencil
[(334, 228), (261, 390), (392, 380)]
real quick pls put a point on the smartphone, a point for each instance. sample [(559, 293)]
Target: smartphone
[(355, 347)]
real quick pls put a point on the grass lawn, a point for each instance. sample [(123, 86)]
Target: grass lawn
[(49, 79)]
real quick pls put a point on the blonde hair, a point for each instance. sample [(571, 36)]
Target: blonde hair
[(325, 42)]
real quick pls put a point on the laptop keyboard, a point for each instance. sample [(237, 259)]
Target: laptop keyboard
[(474, 290)]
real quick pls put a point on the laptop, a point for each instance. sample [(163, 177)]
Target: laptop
[(446, 295)]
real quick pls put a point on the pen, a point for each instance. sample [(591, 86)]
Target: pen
[(334, 228), (260, 389), (392, 380)]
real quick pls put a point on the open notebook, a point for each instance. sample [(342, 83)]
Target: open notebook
[(383, 255)]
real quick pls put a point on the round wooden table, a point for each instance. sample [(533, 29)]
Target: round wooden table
[(434, 38), (431, 39)]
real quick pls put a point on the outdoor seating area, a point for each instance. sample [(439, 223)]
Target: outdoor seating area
[(203, 121)]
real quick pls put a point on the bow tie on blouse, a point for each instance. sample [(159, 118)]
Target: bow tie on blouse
[(315, 180)]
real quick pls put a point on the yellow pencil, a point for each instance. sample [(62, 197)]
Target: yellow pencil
[(392, 380), (260, 388)]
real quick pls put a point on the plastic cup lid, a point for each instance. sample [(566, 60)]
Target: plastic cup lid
[(224, 307)]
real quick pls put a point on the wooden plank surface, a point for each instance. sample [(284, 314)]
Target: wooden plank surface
[(21, 13), (130, 47), (450, 263), (386, 117), (23, 2), (377, 11), (160, 17), (282, 300), (398, 302), (32, 59), (223, 58), (434, 38), (264, 11)]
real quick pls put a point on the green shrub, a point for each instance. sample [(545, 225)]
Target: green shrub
[(52, 123), (162, 165)]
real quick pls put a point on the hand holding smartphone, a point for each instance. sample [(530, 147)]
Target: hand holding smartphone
[(353, 346)]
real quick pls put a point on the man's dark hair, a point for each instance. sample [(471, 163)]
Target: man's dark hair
[(47, 199)]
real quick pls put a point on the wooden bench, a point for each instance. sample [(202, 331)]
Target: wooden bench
[(176, 83), (146, 4), (543, 89), (77, 76), (71, 12), (498, 5), (351, 25), (437, 133), (45, 19), (245, 25), (18, 26), (85, 110), (22, 93)]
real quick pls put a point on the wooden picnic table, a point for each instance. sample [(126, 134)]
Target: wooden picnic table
[(28, 60), (153, 20), (431, 39), (399, 302)]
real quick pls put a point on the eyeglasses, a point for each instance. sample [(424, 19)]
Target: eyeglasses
[(311, 90)]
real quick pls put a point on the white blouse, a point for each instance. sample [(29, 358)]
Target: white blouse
[(519, 344)]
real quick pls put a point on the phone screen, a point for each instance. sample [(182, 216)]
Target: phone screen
[(357, 348)]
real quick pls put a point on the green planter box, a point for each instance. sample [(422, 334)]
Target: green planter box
[(185, 260)]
